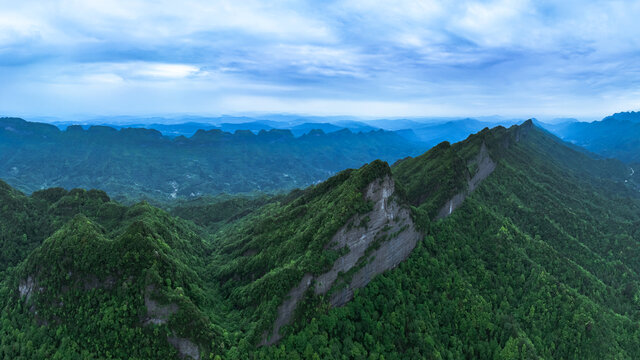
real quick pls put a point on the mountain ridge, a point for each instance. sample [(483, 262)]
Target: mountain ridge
[(141, 163), (541, 221)]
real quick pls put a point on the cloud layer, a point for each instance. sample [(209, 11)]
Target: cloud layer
[(355, 57)]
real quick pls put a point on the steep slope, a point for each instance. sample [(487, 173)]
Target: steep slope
[(141, 163), (326, 240), (141, 272), (122, 285), (537, 262), (506, 245)]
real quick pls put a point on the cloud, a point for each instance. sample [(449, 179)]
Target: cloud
[(365, 57)]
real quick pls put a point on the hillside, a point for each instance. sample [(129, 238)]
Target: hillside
[(506, 245), (141, 163), (537, 262), (106, 281), (616, 136), (177, 289)]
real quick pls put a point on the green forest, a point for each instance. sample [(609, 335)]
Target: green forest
[(133, 164), (540, 261)]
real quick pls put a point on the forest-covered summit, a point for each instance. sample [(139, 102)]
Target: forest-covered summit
[(535, 260)]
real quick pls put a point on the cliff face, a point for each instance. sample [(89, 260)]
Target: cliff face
[(485, 166), (377, 241)]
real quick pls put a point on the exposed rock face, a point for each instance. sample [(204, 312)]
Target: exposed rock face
[(159, 314), (286, 310), (92, 282), (27, 287), (389, 224), (185, 347), (485, 167), (377, 241), (156, 313)]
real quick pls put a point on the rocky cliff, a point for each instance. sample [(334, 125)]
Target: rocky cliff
[(376, 241), (485, 166)]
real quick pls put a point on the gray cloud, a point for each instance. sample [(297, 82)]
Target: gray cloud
[(360, 57)]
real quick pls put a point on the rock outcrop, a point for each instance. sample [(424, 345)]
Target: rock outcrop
[(27, 288), (485, 166), (186, 348), (377, 241), (157, 314)]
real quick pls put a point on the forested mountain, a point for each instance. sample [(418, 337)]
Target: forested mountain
[(433, 131), (615, 136), (451, 131), (189, 125), (507, 245), (141, 163)]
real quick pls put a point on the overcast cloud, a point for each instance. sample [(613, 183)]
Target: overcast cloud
[(358, 57)]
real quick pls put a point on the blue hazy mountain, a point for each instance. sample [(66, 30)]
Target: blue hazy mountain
[(188, 125), (615, 136)]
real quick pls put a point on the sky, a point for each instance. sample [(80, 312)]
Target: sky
[(367, 58)]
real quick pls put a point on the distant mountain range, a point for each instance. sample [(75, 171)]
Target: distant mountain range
[(314, 148), (139, 163), (430, 131), (615, 136), (187, 126)]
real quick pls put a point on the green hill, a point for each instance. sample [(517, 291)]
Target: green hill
[(507, 245), (137, 163)]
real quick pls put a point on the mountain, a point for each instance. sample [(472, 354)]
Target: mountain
[(534, 261), (171, 130), (253, 126), (142, 163), (506, 245), (106, 281), (305, 128), (431, 130), (400, 124), (632, 116), (356, 126), (188, 125), (451, 131), (615, 136)]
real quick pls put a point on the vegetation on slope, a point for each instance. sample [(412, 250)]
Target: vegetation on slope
[(83, 291), (92, 278), (540, 261), (262, 256), (537, 263), (140, 163)]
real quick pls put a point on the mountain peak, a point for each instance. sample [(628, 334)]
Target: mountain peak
[(527, 124), (632, 116)]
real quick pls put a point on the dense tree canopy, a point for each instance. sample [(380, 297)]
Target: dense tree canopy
[(136, 163), (540, 261)]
